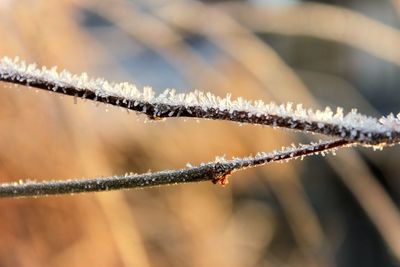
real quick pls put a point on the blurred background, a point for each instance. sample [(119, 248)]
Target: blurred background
[(324, 211)]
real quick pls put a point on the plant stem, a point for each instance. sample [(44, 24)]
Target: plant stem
[(216, 171)]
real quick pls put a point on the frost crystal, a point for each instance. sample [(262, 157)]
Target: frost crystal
[(216, 171), (352, 126)]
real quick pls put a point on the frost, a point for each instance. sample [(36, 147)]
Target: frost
[(353, 126), (216, 171), (220, 159), (391, 122), (286, 154)]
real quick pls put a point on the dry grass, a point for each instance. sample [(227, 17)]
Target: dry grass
[(294, 214)]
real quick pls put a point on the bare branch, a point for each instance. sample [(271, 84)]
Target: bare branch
[(216, 171), (352, 127)]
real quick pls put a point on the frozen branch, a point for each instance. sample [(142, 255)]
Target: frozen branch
[(353, 127), (216, 171)]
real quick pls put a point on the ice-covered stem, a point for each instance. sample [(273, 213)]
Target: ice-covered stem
[(353, 127), (215, 171)]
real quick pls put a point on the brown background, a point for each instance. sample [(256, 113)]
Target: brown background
[(333, 211)]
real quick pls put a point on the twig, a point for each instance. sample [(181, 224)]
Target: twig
[(352, 127), (216, 171)]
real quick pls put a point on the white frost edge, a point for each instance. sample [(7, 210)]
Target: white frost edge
[(17, 69)]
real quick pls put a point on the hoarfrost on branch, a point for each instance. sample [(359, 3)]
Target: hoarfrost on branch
[(352, 126)]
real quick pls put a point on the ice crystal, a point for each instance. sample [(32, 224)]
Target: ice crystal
[(352, 126), (216, 171), (391, 122)]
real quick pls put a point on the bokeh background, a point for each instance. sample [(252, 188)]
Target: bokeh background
[(323, 211)]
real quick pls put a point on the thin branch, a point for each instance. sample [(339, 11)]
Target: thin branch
[(216, 171), (353, 127)]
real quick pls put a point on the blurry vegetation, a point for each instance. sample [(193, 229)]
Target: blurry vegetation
[(333, 211)]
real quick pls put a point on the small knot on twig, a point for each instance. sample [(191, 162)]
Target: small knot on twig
[(222, 179)]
